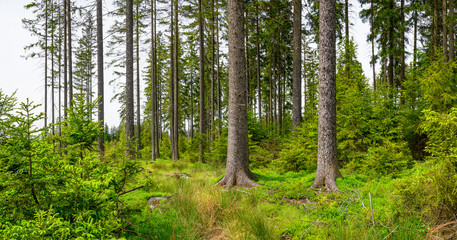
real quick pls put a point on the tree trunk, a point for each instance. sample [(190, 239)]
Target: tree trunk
[(391, 47), (138, 104), (100, 72), (296, 77), (52, 72), (327, 168), (202, 83), (445, 53), (402, 52), (70, 58), (175, 151), (451, 30), (46, 65), (373, 59), (259, 87), (346, 24), (435, 25), (65, 60), (154, 136), (218, 76), (237, 170), (129, 112)]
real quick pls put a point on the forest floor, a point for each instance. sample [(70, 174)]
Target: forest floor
[(182, 201)]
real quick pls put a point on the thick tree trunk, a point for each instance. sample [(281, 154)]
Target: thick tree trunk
[(129, 112), (237, 170), (202, 83), (100, 76), (451, 30), (327, 168), (296, 77)]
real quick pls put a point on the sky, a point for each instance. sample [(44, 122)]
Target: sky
[(26, 76)]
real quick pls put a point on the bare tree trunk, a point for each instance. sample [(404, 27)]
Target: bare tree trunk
[(451, 30), (70, 58), (202, 83), (391, 47), (296, 77), (402, 53), (218, 76), (435, 25), (46, 65), (445, 53), (154, 119), (346, 24), (175, 151), (372, 47), (52, 72), (237, 171), (100, 75), (138, 104), (259, 87), (65, 59), (327, 168), (129, 112), (213, 71)]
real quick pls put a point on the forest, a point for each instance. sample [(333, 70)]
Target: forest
[(240, 119)]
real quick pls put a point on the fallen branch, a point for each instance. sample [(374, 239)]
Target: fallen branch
[(371, 208), (131, 190)]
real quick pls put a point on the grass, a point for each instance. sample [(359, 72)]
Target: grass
[(283, 207)]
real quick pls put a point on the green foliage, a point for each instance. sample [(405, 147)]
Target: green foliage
[(299, 153)]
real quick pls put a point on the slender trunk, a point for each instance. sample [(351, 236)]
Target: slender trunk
[(60, 76), (65, 59), (129, 110), (52, 72), (280, 100), (138, 104), (445, 53), (451, 30), (391, 47), (296, 77), (435, 25), (202, 83), (402, 52), (346, 23), (172, 76), (218, 79), (100, 76), (373, 59), (246, 35), (46, 65), (213, 70), (175, 86), (259, 87), (153, 84), (191, 124), (70, 58)]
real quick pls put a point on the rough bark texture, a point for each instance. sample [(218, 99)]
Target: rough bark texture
[(296, 77), (259, 87), (65, 61), (327, 168), (202, 83), (46, 66), (402, 53), (237, 172), (154, 136), (372, 48), (451, 30), (435, 24), (129, 112), (101, 110)]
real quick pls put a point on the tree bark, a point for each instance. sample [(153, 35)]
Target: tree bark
[(100, 76), (296, 77), (402, 52), (175, 152), (237, 170), (445, 53), (451, 30), (202, 84), (154, 136), (259, 87), (65, 60), (46, 65), (373, 59), (435, 25), (70, 58), (327, 168), (129, 112), (138, 104)]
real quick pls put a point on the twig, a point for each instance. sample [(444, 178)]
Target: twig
[(360, 199), (390, 232), (371, 208)]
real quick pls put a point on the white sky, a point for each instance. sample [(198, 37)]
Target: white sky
[(26, 76)]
